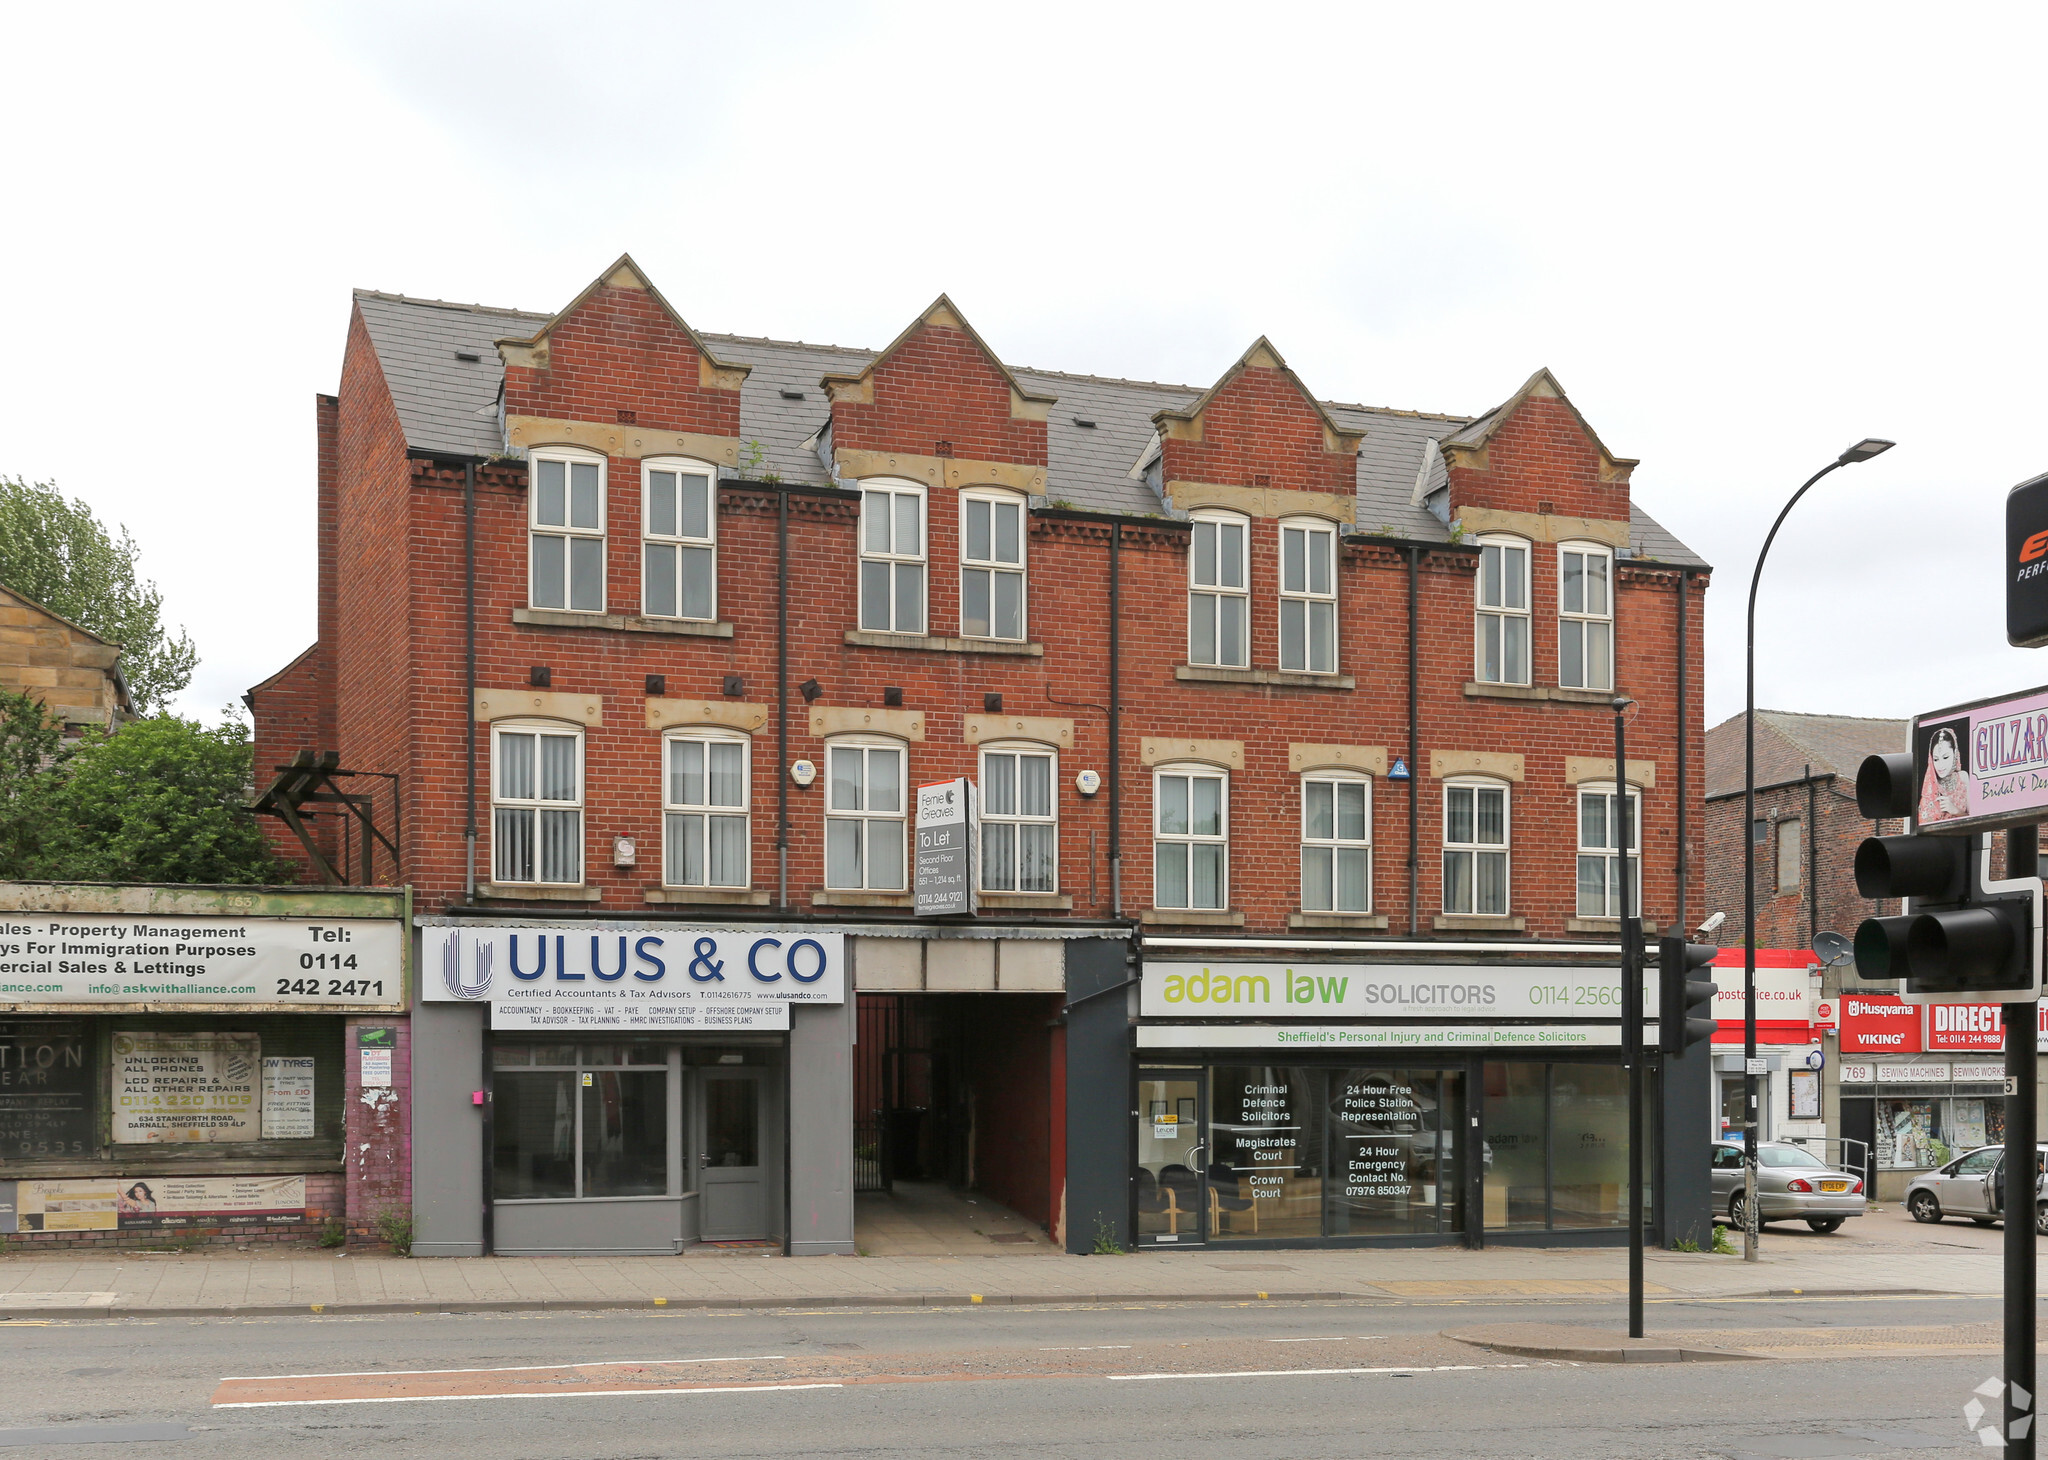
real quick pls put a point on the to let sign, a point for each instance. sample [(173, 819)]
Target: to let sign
[(946, 826)]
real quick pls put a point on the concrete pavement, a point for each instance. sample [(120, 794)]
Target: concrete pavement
[(36, 1285)]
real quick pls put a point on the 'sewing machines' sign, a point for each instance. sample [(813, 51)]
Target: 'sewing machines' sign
[(108, 958), (630, 976)]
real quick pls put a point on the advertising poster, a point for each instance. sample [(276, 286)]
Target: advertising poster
[(288, 1098), (46, 1088), (112, 958), (65, 1206), (1982, 766), (186, 1087), (209, 1201)]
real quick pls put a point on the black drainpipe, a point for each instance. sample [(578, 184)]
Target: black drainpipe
[(782, 701), (1684, 734), (469, 676), (1116, 846), (1414, 751), (1812, 858)]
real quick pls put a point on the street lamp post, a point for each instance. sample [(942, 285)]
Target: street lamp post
[(1863, 450)]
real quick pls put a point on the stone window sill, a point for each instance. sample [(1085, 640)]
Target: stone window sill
[(707, 896), (1468, 923), (555, 618), (1611, 926), (866, 639), (1155, 917), (1217, 674), (1539, 692), (1028, 901), (860, 899), (537, 892), (1336, 920)]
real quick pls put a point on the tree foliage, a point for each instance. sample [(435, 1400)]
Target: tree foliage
[(62, 556), (162, 800)]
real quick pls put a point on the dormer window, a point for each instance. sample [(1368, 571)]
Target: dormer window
[(892, 557), (1308, 597), (1502, 619), (1219, 601), (566, 554), (991, 566), (679, 554)]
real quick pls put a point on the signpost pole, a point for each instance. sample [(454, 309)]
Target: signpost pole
[(1631, 1021), (2022, 1023)]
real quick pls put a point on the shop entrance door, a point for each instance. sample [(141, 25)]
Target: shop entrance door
[(1173, 1157), (732, 1172)]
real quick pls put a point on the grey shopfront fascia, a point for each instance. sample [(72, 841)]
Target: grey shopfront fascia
[(1431, 1095), (806, 1097), (794, 1178)]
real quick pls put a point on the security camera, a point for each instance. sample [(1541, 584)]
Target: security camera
[(1711, 926)]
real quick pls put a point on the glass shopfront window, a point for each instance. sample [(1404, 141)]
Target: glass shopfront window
[(579, 1121), (1390, 1153), (1556, 1152), (1922, 1123), (1262, 1153), (1266, 1178)]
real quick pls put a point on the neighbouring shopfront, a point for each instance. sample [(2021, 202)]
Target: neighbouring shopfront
[(631, 1088), (218, 1064), (1335, 1101)]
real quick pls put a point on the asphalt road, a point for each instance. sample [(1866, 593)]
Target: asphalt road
[(1876, 1377)]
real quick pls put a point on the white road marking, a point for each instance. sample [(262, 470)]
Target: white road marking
[(1080, 1348), (536, 1394), (501, 1369), (1305, 1373)]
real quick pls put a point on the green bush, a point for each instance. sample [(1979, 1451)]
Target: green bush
[(394, 1225)]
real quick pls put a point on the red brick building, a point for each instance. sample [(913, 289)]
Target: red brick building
[(1234, 669)]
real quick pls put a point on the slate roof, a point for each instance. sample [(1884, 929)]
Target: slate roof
[(1787, 743), (450, 405)]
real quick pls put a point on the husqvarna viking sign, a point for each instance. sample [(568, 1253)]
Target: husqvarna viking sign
[(634, 976)]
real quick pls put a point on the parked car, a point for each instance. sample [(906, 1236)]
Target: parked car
[(1791, 1184), (1971, 1186)]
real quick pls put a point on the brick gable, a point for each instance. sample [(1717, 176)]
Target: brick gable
[(1258, 427), (1536, 454), (938, 391), (619, 355)]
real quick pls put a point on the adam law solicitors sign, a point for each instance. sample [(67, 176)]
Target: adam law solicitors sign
[(1380, 991), (634, 975)]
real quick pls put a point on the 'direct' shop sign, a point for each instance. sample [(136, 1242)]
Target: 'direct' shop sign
[(186, 1087)]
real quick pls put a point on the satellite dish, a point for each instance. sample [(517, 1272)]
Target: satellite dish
[(1834, 949)]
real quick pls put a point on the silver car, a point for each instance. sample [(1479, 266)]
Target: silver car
[(1972, 1186), (1791, 1184)]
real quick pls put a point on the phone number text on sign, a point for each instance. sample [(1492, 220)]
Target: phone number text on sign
[(101, 959)]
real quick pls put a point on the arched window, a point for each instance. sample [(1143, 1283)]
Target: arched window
[(1336, 841), (1308, 596), (536, 802), (991, 565), (704, 809), (1502, 627), (864, 801), (1219, 591), (1600, 828), (1190, 837), (679, 550), (565, 505), (1476, 847), (1019, 818), (1585, 616), (892, 556)]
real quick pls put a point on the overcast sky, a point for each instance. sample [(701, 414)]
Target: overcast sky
[(1742, 238)]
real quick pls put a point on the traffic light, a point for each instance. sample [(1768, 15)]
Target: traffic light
[(1961, 933), (1679, 992)]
